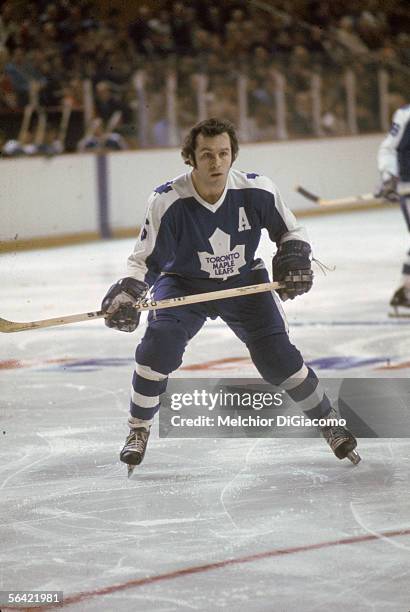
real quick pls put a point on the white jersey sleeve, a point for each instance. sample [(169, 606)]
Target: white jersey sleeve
[(278, 219), (387, 158), (155, 243), (295, 231)]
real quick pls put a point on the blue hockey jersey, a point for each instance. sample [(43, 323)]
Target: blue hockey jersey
[(185, 235)]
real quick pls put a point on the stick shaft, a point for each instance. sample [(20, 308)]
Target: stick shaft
[(12, 326), (357, 199), (360, 199)]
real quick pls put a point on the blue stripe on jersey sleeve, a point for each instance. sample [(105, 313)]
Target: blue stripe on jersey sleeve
[(164, 188)]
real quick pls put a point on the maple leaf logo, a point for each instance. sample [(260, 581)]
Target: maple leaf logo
[(223, 262)]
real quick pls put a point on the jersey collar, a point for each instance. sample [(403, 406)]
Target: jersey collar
[(212, 207)]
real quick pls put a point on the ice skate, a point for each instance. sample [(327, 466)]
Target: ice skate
[(400, 303), (341, 441), (135, 444)]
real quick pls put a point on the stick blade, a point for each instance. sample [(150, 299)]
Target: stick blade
[(307, 194), (7, 326), (13, 326)]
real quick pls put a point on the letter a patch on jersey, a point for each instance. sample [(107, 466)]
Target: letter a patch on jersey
[(243, 220)]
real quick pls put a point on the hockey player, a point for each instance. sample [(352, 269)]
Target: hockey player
[(200, 234), (394, 167)]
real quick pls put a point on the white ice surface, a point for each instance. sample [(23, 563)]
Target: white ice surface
[(71, 521)]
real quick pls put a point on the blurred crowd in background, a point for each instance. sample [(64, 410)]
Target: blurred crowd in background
[(49, 50)]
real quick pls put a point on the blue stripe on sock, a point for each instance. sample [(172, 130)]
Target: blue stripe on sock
[(148, 387), (143, 413), (305, 388), (321, 410)]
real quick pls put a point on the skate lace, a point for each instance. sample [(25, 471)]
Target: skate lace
[(139, 445), (335, 432), (138, 440), (338, 431)]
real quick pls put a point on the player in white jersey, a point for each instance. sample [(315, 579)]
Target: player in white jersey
[(200, 234), (394, 167)]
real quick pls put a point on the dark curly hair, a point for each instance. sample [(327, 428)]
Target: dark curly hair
[(209, 127)]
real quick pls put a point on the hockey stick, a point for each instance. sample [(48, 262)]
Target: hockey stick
[(366, 198), (12, 326)]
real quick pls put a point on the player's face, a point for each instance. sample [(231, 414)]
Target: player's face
[(213, 158)]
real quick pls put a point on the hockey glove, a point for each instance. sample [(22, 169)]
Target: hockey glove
[(292, 266), (119, 304), (388, 189)]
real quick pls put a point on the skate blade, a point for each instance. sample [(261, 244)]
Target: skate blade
[(354, 457), (130, 470)]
